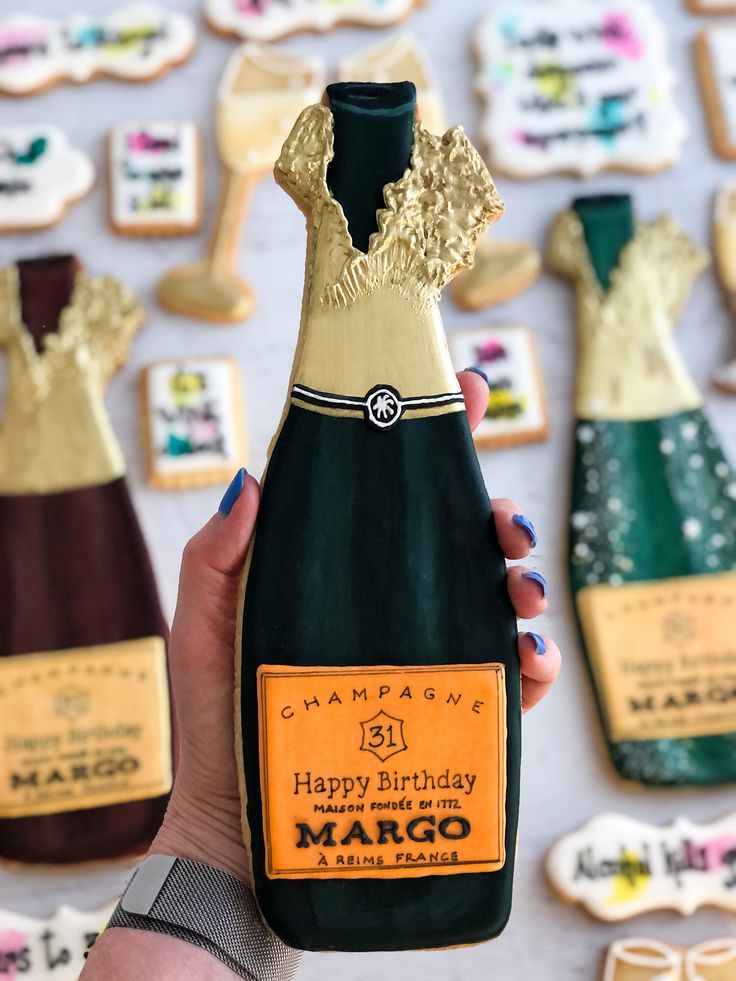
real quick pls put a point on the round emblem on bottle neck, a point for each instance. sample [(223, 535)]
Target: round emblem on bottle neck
[(383, 407)]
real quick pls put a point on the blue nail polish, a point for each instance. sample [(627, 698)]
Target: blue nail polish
[(478, 371), (525, 523), (233, 492), (539, 642), (538, 578)]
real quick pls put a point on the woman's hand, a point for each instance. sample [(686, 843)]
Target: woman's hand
[(203, 820)]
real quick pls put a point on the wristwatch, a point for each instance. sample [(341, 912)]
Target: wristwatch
[(208, 908)]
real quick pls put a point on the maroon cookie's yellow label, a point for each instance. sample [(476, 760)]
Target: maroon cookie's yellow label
[(664, 656), (383, 772), (81, 728)]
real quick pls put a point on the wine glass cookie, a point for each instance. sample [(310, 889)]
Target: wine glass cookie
[(260, 92), (271, 20), (643, 959), (136, 43), (399, 59), (577, 87), (41, 175)]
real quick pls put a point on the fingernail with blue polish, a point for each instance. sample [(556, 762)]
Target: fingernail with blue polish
[(233, 492), (538, 578), (478, 371), (539, 642), (525, 523)]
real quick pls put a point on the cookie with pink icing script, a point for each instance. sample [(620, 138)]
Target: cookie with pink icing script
[(136, 43), (51, 948), (576, 86), (618, 867), (155, 177), (269, 20)]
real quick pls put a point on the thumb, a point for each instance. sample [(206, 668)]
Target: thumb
[(474, 385), (212, 563)]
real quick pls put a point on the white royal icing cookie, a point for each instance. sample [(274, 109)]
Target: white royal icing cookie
[(155, 177), (192, 421), (577, 86), (716, 56), (135, 42), (40, 175), (51, 948), (617, 867), (267, 20)]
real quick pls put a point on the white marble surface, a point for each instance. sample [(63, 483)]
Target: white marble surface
[(566, 778)]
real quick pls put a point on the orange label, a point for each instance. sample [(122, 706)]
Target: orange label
[(83, 728), (383, 772), (664, 655)]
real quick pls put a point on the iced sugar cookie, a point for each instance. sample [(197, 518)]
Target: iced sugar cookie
[(517, 406), (642, 959), (51, 948), (155, 177), (712, 6), (715, 57), (617, 867), (261, 92), (724, 246), (501, 271), (577, 86), (269, 20), (41, 174), (136, 43), (192, 422), (400, 59)]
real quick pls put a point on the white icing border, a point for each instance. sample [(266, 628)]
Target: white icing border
[(61, 62), (607, 835), (500, 120), (61, 176), (303, 15)]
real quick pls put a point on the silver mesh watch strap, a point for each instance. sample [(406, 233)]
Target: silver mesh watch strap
[(208, 908)]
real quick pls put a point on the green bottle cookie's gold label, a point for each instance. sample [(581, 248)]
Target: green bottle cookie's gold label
[(85, 727), (383, 772), (664, 655)]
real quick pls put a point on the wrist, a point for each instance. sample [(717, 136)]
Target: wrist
[(210, 834)]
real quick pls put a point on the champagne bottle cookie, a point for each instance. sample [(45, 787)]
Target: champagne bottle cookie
[(653, 526), (379, 671)]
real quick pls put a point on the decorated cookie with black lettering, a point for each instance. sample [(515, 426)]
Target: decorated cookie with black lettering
[(49, 948), (642, 959), (155, 177), (269, 20), (715, 57), (192, 426), (41, 174), (517, 406), (578, 86), (618, 867), (137, 42)]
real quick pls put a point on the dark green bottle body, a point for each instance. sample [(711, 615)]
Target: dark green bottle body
[(378, 548)]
